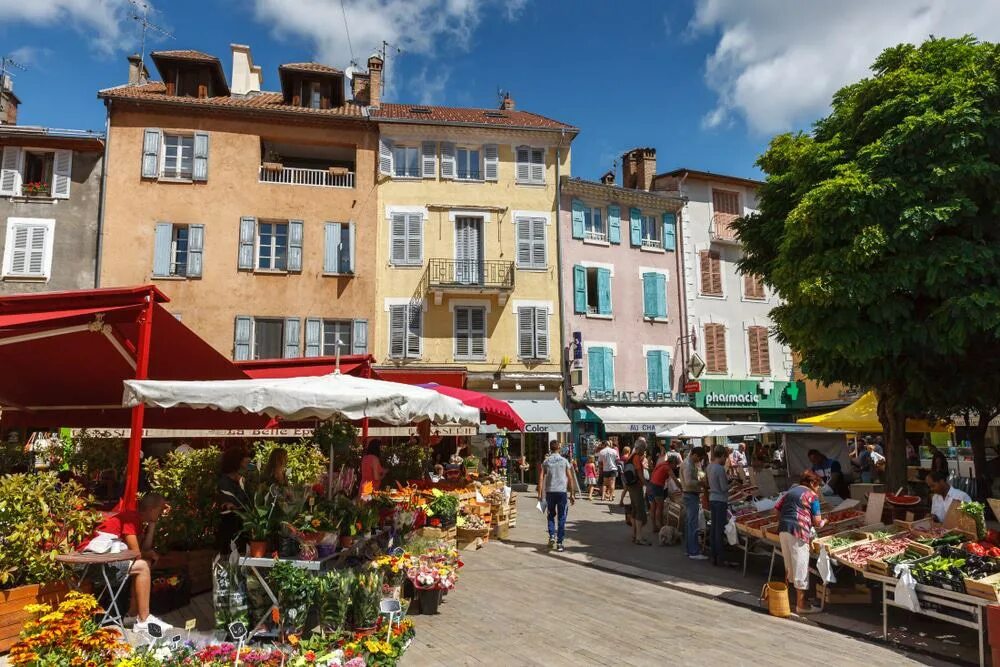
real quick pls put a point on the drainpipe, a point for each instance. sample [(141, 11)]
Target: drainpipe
[(685, 330), (563, 365), (104, 194)]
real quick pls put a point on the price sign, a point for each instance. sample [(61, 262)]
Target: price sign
[(190, 624)]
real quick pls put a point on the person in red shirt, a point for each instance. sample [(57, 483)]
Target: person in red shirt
[(372, 471), (658, 491), (136, 529)]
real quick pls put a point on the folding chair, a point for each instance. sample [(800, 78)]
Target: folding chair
[(112, 615)]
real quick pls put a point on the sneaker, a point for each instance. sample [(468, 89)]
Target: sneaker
[(698, 557), (552, 543), (560, 547), (143, 626)]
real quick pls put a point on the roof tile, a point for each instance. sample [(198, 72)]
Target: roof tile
[(186, 54), (311, 67), (486, 117)]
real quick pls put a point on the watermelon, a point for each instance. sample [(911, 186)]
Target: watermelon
[(902, 500)]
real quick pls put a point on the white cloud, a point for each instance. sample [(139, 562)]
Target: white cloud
[(103, 19), (777, 63), (428, 85), (417, 27)]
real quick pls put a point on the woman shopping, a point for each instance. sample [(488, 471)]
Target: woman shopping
[(798, 514)]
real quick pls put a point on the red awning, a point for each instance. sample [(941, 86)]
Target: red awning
[(355, 364), (492, 410), (446, 378)]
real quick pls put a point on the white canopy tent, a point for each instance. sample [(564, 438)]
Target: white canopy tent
[(726, 429), (644, 419)]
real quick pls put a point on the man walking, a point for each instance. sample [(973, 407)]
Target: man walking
[(693, 483), (718, 501), (559, 486)]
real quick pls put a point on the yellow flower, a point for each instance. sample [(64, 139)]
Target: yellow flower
[(37, 608), (54, 616), (372, 646)]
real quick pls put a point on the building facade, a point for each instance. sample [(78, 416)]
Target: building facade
[(622, 299), (748, 374), (50, 195), (253, 211)]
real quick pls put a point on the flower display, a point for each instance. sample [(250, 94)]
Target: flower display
[(66, 635)]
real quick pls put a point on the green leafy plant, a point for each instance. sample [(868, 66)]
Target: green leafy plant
[(443, 506), (306, 463), (295, 589), (334, 591), (260, 518), (189, 482), (39, 519), (407, 459), (346, 511), (366, 597), (13, 458), (92, 452)]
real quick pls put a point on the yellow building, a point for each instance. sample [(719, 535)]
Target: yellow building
[(468, 282)]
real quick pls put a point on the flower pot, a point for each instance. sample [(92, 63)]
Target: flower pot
[(288, 547), (258, 548), (323, 549), (365, 632), (429, 600), (346, 541), (13, 601)]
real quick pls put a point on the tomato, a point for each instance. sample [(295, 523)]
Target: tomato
[(976, 549), (993, 537)]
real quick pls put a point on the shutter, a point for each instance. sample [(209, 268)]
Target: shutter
[(660, 281), (397, 331), (526, 332), (595, 369), (614, 223), (447, 160), (10, 174), (200, 171), (523, 242), (162, 252), (604, 291), (635, 227), (37, 266), (538, 245), (541, 333), (350, 250), (579, 290), (462, 333), (715, 264), (665, 371), (609, 369), (196, 250), (491, 162), (760, 358), (414, 239), (359, 337), (523, 166), (292, 335), (716, 333), (537, 165), (649, 295), (414, 332), (669, 231), (753, 350), (654, 373), (248, 231), (151, 153), (753, 286), (711, 355), (20, 250), (428, 159), (397, 239), (331, 247), (241, 338), (295, 245), (707, 277), (62, 173), (314, 335), (578, 226), (384, 156), (477, 331)]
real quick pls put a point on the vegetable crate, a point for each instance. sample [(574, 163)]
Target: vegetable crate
[(987, 588), (856, 537), (512, 518), (886, 569), (754, 525), (770, 532)]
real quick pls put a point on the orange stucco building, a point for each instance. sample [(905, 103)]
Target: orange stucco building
[(253, 211)]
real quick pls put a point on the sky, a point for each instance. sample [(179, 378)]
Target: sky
[(705, 82)]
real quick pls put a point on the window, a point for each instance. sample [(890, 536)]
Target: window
[(651, 236), (654, 295), (337, 332), (593, 224), (531, 243), (753, 287), (38, 166), (468, 164), (338, 248), (658, 371), (272, 246), (177, 250), (470, 332), (711, 273), (269, 338), (406, 161), (600, 369), (715, 348), (726, 205), (27, 251), (178, 156), (532, 332), (32, 172), (530, 167), (591, 290), (405, 331), (406, 239), (760, 355), (312, 95), (266, 338)]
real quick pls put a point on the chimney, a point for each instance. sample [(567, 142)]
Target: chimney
[(137, 72), (375, 81), (507, 103), (246, 77), (360, 88), (8, 102), (608, 178), (638, 168)]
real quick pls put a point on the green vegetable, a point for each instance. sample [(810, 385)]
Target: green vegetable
[(977, 512), (838, 542)]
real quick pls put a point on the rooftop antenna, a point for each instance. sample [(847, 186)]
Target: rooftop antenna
[(383, 51), (140, 14), (501, 94), (6, 64)]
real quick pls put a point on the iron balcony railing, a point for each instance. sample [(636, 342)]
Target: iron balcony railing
[(492, 274)]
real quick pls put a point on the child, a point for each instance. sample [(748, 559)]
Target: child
[(590, 475)]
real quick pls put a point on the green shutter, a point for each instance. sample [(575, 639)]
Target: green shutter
[(577, 219), (579, 289), (661, 294), (665, 371), (654, 372), (649, 295), (595, 369), (635, 227), (609, 369), (614, 223), (669, 231), (603, 291)]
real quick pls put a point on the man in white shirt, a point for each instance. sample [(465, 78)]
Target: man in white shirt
[(943, 493), (608, 459)]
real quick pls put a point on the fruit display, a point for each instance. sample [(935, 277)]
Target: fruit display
[(902, 500), (857, 557), (843, 515), (471, 522), (983, 549)]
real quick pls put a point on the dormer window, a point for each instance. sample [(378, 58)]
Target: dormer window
[(191, 74), (311, 95), (312, 86)]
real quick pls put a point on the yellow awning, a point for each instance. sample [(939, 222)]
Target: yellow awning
[(862, 416)]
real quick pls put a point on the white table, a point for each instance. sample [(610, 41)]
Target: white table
[(255, 565)]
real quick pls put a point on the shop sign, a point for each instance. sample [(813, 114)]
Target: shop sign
[(546, 428), (718, 398), (692, 387), (627, 397)]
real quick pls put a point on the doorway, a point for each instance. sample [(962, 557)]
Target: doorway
[(468, 250)]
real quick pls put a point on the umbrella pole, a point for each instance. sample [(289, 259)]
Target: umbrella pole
[(129, 497)]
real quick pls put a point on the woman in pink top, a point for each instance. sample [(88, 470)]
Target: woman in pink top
[(372, 471)]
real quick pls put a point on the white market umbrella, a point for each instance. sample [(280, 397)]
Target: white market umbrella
[(294, 399), (693, 430)]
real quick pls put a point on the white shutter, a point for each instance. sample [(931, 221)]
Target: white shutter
[(428, 159), (397, 331), (538, 249), (537, 165), (462, 333), (526, 332), (385, 157), (29, 247), (10, 172), (151, 139), (447, 160), (200, 169), (541, 333), (523, 169), (397, 239), (414, 238), (523, 242), (19, 239), (477, 332), (491, 162), (62, 173)]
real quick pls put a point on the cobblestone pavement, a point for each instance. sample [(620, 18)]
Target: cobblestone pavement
[(518, 604)]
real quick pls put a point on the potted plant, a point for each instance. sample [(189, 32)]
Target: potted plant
[(272, 161), (295, 589), (443, 507), (67, 635), (36, 189), (334, 594), (258, 522), (365, 601), (347, 518)]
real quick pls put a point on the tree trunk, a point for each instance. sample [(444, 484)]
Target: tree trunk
[(893, 421), (977, 438)]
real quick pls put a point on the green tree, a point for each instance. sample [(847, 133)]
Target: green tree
[(879, 230)]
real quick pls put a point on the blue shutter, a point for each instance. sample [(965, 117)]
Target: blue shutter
[(577, 219), (151, 153), (665, 371), (200, 157), (579, 289), (292, 326), (609, 369), (295, 245), (248, 233), (635, 227), (649, 295), (603, 291), (595, 369), (669, 231), (661, 294), (614, 223), (359, 337), (314, 335), (654, 372), (242, 338), (350, 253), (331, 242), (162, 241), (196, 249)]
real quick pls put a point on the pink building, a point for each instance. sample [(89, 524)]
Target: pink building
[(622, 299)]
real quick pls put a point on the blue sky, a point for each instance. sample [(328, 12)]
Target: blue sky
[(705, 82)]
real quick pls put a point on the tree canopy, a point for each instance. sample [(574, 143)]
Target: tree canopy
[(880, 230)]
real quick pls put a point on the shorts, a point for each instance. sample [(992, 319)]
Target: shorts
[(656, 492), (638, 509), (591, 481), (795, 553), (609, 474)]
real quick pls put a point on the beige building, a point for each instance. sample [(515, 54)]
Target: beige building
[(254, 211)]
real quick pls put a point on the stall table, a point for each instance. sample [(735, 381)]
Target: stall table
[(255, 565)]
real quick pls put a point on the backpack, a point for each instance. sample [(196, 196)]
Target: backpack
[(629, 473)]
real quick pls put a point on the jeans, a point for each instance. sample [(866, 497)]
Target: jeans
[(718, 514), (556, 502), (692, 510)]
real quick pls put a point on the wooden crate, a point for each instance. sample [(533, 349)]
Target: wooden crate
[(770, 533), (986, 588), (912, 524), (501, 530), (879, 566), (857, 594), (858, 537), (13, 601), (755, 526)]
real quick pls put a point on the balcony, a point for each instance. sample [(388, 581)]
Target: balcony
[(332, 177), (455, 276), (721, 229), (313, 166)]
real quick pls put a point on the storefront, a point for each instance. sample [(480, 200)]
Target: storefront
[(544, 420), (749, 400)]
